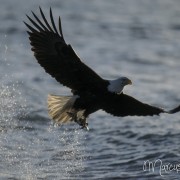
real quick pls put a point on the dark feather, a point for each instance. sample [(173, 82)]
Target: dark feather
[(59, 59), (52, 21), (44, 18), (60, 29), (124, 105), (35, 24), (37, 19), (175, 110)]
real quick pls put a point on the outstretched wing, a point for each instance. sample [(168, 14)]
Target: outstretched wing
[(58, 58), (124, 105)]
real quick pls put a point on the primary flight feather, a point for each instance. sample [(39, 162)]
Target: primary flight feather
[(90, 91)]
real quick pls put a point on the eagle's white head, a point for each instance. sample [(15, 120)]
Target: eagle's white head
[(117, 85)]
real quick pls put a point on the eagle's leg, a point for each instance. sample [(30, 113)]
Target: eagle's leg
[(83, 123), (80, 120)]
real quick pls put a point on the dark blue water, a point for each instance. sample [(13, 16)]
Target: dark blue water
[(134, 38)]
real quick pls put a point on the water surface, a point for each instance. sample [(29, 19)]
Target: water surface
[(134, 38)]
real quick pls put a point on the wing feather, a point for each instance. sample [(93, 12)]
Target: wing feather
[(52, 22), (58, 58), (44, 18), (124, 105), (37, 19)]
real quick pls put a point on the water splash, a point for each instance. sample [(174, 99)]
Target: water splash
[(12, 108), (61, 156), (70, 151), (12, 105), (31, 148)]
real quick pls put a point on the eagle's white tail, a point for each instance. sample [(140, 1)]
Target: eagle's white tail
[(61, 108)]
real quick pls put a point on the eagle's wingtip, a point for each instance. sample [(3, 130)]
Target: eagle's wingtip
[(175, 110)]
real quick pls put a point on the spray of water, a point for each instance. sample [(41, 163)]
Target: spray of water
[(30, 150), (12, 108), (70, 153), (31, 147), (11, 105)]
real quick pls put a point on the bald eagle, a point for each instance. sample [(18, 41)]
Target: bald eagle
[(90, 92)]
